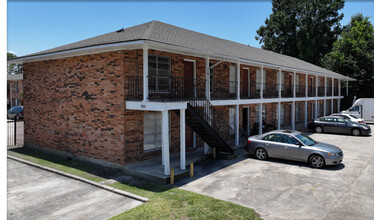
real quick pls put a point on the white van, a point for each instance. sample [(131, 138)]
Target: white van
[(362, 108)]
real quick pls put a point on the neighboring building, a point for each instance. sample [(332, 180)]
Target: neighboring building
[(156, 89), (14, 90)]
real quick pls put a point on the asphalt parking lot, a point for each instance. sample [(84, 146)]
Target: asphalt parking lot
[(279, 189), (34, 193)]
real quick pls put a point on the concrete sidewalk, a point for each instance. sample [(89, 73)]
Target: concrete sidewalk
[(34, 193)]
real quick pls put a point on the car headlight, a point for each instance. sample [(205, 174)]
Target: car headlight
[(333, 154), (365, 128)]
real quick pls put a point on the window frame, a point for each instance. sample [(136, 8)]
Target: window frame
[(157, 75)]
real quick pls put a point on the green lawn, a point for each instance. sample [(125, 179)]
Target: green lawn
[(165, 202)]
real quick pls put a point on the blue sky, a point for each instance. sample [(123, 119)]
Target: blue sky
[(37, 26)]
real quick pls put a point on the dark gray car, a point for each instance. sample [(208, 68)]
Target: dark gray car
[(335, 124), (294, 145)]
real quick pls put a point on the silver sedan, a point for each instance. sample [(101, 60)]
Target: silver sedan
[(294, 145)]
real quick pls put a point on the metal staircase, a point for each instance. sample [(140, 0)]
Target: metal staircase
[(199, 116)]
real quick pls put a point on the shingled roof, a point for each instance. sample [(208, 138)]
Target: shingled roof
[(171, 35)]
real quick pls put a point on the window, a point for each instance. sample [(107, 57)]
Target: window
[(297, 81), (232, 120), (153, 131), (258, 80), (274, 138), (211, 76), (232, 83), (159, 73), (16, 87), (258, 114), (16, 101), (355, 108), (290, 140), (306, 140)]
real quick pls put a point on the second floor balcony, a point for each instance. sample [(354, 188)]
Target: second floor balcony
[(300, 91), (321, 91), (179, 88)]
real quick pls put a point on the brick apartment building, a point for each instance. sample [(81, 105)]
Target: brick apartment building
[(14, 90), (155, 89)]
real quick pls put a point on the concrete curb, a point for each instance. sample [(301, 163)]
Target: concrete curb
[(108, 188)]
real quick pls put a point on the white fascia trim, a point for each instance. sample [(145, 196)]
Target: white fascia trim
[(273, 100), (81, 51), (14, 77), (155, 106), (196, 53)]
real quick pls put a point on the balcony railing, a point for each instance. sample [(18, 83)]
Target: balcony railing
[(300, 91), (287, 90), (328, 91), (166, 88), (224, 90), (321, 91), (311, 91), (270, 90)]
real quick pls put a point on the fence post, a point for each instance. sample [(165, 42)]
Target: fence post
[(15, 129)]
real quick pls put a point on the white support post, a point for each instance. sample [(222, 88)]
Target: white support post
[(238, 81), (279, 83), (262, 83), (293, 116), (339, 94), (237, 125), (306, 113), (279, 116), (145, 73), (260, 120), (183, 139), (346, 89), (294, 84), (306, 85), (325, 90), (315, 109), (324, 106), (332, 87), (207, 77), (165, 142)]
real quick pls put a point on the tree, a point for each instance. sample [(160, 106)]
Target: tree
[(353, 55), (302, 29), (13, 68)]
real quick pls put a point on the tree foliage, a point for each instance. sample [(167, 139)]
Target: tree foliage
[(13, 68), (302, 29), (353, 55)]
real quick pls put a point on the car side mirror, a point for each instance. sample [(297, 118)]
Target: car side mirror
[(299, 144)]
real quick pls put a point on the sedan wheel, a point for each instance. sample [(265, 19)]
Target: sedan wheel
[(319, 129), (316, 161), (261, 154), (356, 132)]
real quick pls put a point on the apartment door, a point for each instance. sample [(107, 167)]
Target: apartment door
[(245, 91), (188, 79)]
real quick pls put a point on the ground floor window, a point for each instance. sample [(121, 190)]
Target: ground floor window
[(258, 113), (153, 131)]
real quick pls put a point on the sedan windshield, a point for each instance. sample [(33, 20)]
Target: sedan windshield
[(306, 140)]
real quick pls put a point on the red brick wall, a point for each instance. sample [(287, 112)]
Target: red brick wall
[(76, 105)]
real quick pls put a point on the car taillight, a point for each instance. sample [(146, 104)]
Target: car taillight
[(361, 121), (309, 122), (248, 141)]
